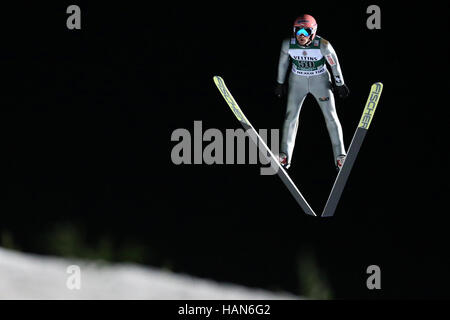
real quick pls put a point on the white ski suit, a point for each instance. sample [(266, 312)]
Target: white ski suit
[(310, 75)]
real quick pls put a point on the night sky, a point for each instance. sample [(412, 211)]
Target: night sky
[(87, 117)]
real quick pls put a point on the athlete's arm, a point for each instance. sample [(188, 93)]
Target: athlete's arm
[(283, 63), (331, 57)]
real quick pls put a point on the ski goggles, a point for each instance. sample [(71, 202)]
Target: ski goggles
[(304, 31)]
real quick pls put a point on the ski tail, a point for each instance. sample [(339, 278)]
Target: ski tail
[(355, 145), (263, 146)]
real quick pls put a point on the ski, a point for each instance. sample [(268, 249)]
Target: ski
[(256, 138), (355, 145)]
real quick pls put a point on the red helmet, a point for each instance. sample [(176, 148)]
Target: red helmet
[(308, 22)]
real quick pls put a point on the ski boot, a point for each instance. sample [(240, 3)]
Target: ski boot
[(284, 160), (340, 161)]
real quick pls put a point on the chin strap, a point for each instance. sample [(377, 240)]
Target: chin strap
[(307, 44)]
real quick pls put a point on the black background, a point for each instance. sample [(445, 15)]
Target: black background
[(87, 116)]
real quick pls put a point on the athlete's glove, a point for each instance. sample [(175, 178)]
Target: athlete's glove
[(280, 90), (342, 91)]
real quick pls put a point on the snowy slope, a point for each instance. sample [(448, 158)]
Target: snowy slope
[(26, 276)]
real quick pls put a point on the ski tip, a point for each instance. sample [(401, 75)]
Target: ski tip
[(218, 80), (377, 86)]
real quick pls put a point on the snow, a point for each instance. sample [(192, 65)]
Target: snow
[(29, 276)]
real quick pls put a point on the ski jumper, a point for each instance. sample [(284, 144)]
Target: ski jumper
[(310, 75)]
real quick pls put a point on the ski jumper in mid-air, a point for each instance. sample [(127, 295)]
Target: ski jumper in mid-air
[(308, 53)]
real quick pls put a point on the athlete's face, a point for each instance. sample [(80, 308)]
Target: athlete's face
[(302, 40)]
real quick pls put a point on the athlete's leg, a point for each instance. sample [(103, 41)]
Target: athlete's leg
[(298, 89), (320, 87)]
